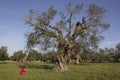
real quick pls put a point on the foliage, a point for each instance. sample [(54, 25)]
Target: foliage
[(44, 32), (49, 57), (3, 53), (118, 46), (18, 55), (33, 55)]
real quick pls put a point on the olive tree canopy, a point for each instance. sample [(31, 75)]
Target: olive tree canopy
[(61, 30)]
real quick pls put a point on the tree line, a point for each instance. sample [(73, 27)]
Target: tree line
[(100, 55)]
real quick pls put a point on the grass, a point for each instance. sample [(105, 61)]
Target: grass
[(41, 71)]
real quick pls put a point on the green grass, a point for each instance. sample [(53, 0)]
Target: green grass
[(41, 71)]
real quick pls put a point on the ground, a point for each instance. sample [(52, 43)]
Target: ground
[(42, 71)]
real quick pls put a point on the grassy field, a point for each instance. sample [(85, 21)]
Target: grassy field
[(41, 71)]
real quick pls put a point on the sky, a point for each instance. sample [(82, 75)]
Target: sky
[(13, 13)]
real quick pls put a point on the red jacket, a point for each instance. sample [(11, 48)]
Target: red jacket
[(22, 71)]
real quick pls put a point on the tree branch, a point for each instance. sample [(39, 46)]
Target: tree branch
[(55, 28), (70, 21), (77, 30), (46, 32), (70, 26)]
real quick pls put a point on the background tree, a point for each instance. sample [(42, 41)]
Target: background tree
[(109, 54), (117, 55), (18, 56), (66, 31), (33, 55), (118, 47), (3, 53), (49, 57)]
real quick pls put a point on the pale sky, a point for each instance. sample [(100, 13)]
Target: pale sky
[(13, 12)]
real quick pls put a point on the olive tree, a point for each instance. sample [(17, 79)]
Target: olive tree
[(62, 33)]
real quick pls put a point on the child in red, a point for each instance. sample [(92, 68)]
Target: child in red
[(22, 71)]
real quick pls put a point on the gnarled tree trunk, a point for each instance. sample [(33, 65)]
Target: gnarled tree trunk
[(63, 57), (65, 49), (62, 64)]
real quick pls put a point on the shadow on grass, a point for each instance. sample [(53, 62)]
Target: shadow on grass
[(36, 66), (2, 62)]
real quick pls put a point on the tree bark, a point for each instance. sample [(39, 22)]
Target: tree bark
[(25, 58), (63, 57), (62, 65), (78, 59)]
